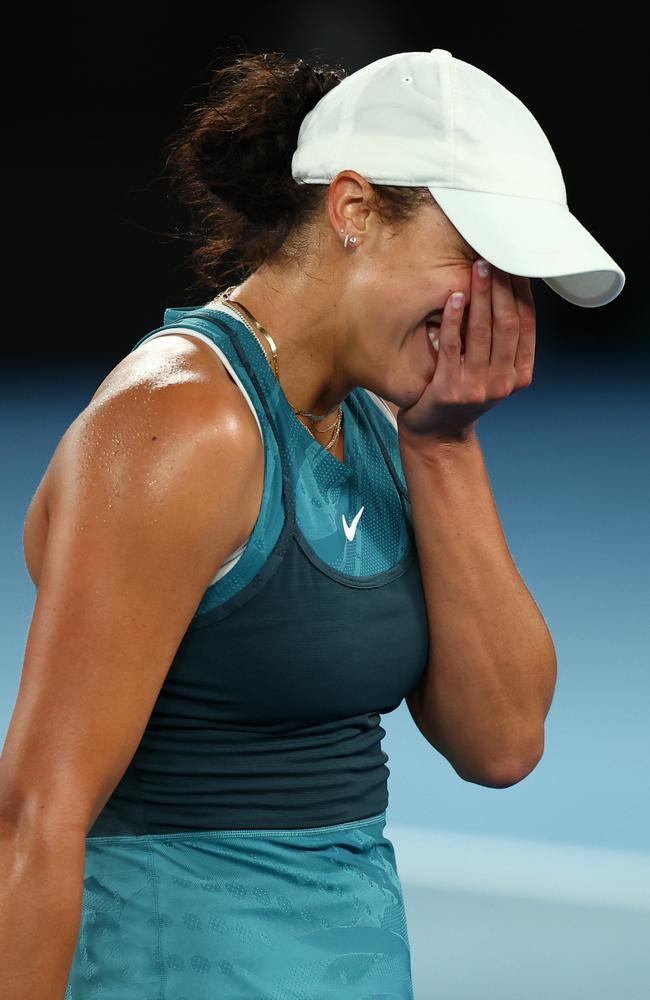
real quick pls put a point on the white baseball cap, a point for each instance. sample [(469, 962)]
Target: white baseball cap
[(428, 119)]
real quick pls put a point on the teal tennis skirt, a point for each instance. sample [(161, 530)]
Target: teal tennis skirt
[(304, 914)]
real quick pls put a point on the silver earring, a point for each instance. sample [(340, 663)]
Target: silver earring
[(349, 239)]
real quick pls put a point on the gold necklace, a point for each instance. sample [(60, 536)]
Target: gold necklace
[(225, 297)]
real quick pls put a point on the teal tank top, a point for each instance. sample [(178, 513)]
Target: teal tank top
[(269, 715)]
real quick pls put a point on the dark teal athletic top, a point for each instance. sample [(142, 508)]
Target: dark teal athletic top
[(269, 716)]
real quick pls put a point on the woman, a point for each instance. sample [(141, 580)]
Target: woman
[(251, 543)]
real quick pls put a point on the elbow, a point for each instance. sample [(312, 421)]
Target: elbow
[(505, 778), (504, 774)]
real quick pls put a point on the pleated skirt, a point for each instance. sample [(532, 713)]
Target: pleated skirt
[(301, 914)]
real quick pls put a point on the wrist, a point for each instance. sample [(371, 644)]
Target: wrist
[(437, 441)]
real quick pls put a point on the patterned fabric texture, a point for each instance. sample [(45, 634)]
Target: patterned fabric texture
[(297, 914)]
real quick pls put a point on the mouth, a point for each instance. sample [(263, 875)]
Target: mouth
[(433, 328)]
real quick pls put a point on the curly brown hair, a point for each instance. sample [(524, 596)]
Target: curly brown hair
[(229, 166)]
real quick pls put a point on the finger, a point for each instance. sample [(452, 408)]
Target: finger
[(478, 340), (505, 326), (450, 341), (525, 357)]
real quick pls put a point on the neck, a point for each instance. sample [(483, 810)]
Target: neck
[(304, 338)]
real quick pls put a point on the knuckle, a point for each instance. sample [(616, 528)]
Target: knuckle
[(525, 356), (451, 347), (482, 332), (504, 385), (510, 324)]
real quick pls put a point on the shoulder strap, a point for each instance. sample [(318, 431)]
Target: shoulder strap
[(209, 315)]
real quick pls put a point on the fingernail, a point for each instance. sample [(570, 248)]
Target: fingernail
[(434, 340), (483, 268), (457, 299)]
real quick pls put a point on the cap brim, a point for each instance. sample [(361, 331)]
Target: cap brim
[(539, 239)]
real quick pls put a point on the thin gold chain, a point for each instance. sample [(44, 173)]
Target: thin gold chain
[(224, 297)]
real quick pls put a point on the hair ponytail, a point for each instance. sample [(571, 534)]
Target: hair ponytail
[(230, 164)]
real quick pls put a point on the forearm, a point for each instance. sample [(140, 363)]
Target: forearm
[(491, 673), (41, 898)]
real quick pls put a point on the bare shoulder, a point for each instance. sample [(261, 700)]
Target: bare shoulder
[(178, 380), (171, 390), (163, 427), (170, 359)]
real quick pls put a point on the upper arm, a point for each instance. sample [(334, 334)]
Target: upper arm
[(144, 504)]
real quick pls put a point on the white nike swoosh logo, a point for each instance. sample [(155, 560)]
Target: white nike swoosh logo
[(350, 530)]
